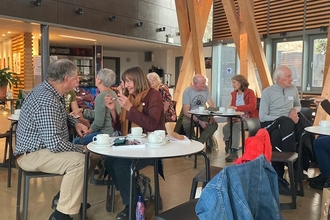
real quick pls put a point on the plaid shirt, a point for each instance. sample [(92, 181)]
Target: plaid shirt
[(43, 122)]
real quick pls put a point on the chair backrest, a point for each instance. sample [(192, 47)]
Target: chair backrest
[(305, 103), (308, 113), (253, 125)]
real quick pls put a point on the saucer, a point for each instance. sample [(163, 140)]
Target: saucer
[(136, 136), (16, 117), (148, 144), (102, 145)]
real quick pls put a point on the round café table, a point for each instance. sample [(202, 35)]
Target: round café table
[(173, 148)]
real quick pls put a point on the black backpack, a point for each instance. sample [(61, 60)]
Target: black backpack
[(144, 187)]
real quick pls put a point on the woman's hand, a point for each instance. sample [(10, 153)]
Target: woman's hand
[(318, 100), (109, 102), (124, 102)]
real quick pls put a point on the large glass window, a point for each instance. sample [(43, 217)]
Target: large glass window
[(315, 76), (289, 53)]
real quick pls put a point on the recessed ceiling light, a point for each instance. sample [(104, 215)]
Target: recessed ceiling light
[(78, 38), (33, 37), (3, 35), (8, 32)]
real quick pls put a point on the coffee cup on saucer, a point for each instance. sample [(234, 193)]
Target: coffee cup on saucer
[(161, 133), (101, 139), (136, 131), (324, 124), (154, 138), (222, 109), (230, 111), (201, 109)]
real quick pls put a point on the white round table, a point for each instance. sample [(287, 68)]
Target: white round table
[(174, 148), (236, 114), (318, 130)]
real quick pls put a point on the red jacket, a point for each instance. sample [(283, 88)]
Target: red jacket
[(256, 145), (250, 101)]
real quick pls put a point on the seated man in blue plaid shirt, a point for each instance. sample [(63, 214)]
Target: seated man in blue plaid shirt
[(43, 137)]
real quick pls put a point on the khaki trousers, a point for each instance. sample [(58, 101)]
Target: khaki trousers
[(71, 164)]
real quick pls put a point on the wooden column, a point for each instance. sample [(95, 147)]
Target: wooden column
[(192, 17), (22, 48), (321, 114), (247, 41)]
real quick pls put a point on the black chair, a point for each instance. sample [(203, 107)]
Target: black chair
[(201, 177), (308, 113), (185, 211), (253, 125), (287, 158), (305, 103), (27, 177)]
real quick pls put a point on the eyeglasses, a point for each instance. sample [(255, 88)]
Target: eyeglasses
[(128, 81)]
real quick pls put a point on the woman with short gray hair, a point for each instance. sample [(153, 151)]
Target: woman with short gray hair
[(103, 122)]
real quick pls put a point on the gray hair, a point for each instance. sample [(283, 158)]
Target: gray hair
[(61, 68), (279, 72), (196, 78), (154, 75), (107, 76)]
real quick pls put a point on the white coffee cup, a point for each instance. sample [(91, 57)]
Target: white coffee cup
[(101, 139), (136, 131), (161, 133), (222, 109), (154, 138), (17, 111), (324, 124), (230, 110), (201, 109)]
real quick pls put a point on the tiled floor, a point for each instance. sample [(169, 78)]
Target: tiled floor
[(174, 190)]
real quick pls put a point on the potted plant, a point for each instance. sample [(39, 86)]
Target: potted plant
[(7, 78)]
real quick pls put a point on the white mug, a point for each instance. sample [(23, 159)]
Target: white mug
[(154, 138), (324, 124), (201, 109), (101, 139), (17, 111), (222, 109), (136, 131), (161, 133), (230, 110)]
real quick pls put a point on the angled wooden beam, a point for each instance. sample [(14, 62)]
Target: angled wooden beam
[(197, 36), (241, 40), (247, 15), (187, 70), (321, 114)]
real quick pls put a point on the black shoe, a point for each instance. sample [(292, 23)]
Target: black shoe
[(283, 186), (324, 183), (56, 215), (318, 178), (231, 157), (305, 176), (123, 215), (56, 198)]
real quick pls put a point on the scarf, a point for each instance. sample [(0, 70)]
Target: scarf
[(137, 103)]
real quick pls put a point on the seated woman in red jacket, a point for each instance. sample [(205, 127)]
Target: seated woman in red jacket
[(244, 100)]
